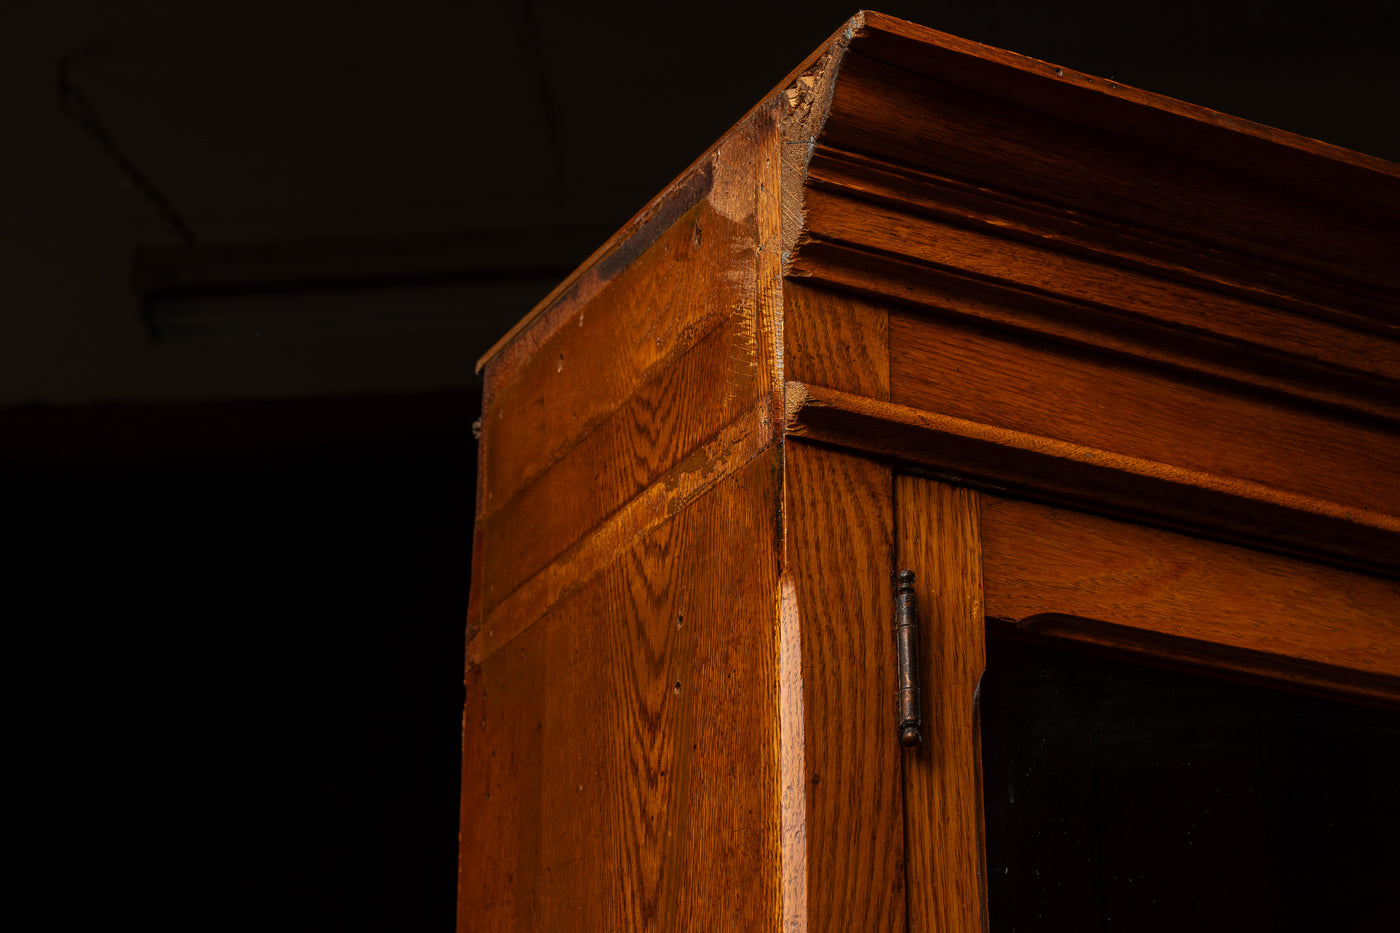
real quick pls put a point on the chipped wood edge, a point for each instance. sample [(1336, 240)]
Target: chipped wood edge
[(580, 280), (792, 766), (806, 103)]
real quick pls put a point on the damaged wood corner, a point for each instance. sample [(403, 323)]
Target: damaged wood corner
[(794, 400), (805, 104)]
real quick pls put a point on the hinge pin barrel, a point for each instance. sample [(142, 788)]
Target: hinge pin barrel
[(906, 644)]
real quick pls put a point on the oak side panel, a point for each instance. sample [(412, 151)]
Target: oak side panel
[(620, 755), (1060, 392), (1063, 574), (671, 415), (837, 340), (733, 448), (500, 798), (839, 544), (633, 314), (939, 539)]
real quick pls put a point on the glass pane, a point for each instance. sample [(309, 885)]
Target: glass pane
[(1120, 796)]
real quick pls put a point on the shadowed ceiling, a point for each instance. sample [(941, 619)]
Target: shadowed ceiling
[(341, 149)]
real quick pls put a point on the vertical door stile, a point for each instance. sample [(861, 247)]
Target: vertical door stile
[(938, 538), (840, 536)]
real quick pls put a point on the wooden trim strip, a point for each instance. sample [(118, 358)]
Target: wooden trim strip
[(940, 55), (1057, 575), (1098, 480), (1103, 282), (1026, 219), (1144, 644), (1147, 341)]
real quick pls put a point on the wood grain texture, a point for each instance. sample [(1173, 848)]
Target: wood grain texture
[(683, 406), (1097, 401), (1083, 98), (986, 251), (1100, 480), (861, 179), (731, 449), (638, 371), (836, 340), (681, 704), (946, 293), (975, 182), (620, 764), (933, 102), (1070, 575), (839, 544), (939, 539), (655, 300), (501, 778), (792, 760)]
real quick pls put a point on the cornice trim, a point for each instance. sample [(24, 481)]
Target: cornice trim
[(1100, 481)]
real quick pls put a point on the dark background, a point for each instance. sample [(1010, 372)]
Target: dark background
[(251, 251)]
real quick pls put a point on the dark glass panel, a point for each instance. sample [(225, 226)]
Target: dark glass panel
[(1121, 796)]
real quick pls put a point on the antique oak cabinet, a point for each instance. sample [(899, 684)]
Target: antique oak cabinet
[(1099, 367)]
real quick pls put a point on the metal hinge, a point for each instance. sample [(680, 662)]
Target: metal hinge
[(906, 647)]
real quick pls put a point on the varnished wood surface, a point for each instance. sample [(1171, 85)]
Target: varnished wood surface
[(1063, 574), (832, 340), (1269, 322), (927, 100), (619, 767), (694, 276), (1097, 401), (1102, 480), (664, 345), (939, 539), (916, 195), (621, 755), (682, 406), (1033, 202), (732, 449), (963, 63), (946, 294), (917, 251), (839, 526)]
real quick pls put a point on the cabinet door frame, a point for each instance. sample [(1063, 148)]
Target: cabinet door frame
[(938, 535), (1021, 569)]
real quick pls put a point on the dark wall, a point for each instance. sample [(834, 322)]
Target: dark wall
[(231, 687)]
